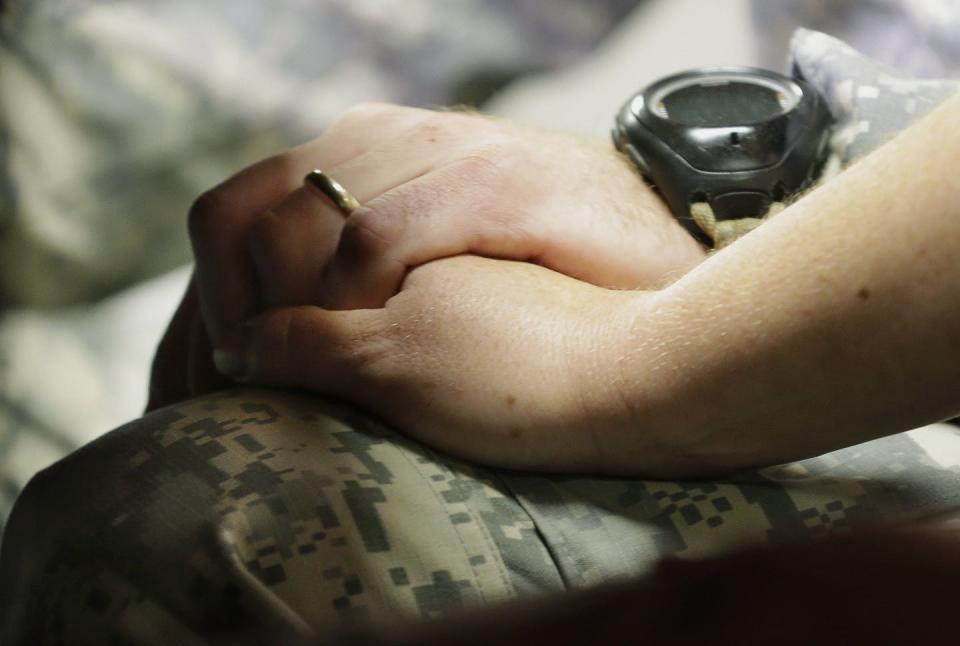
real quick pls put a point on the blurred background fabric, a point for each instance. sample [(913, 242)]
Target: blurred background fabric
[(919, 38), (116, 114)]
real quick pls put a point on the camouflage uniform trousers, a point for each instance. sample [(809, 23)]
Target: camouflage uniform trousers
[(255, 516)]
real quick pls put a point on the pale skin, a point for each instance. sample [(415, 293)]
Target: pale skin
[(834, 323)]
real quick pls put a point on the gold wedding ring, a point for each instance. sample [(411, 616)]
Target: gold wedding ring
[(333, 190)]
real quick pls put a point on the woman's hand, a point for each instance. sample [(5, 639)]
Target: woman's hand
[(434, 184), (502, 363)]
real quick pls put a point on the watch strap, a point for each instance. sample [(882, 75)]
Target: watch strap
[(726, 232)]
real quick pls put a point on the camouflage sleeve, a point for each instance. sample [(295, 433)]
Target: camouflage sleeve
[(870, 102), (252, 516)]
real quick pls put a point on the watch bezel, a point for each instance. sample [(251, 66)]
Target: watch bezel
[(653, 96), (773, 158)]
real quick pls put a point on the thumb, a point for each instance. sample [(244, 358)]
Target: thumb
[(303, 347)]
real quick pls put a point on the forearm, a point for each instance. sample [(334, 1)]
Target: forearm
[(836, 322)]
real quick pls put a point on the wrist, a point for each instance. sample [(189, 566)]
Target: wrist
[(634, 421), (683, 385)]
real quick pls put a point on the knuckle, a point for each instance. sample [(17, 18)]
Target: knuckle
[(270, 237), (487, 162), (302, 350), (277, 354), (491, 166), (366, 234), (364, 113), (371, 347), (206, 212), (503, 195), (377, 355), (394, 207), (444, 127)]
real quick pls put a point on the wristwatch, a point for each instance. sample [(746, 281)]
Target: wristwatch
[(725, 146)]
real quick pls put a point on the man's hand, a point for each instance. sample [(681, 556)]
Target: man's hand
[(502, 363), (434, 184), (459, 183)]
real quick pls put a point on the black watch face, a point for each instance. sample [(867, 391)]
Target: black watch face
[(735, 138), (723, 101)]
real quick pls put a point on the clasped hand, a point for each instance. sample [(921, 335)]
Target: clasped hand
[(480, 301)]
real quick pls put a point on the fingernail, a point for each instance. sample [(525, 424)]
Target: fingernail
[(232, 358)]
